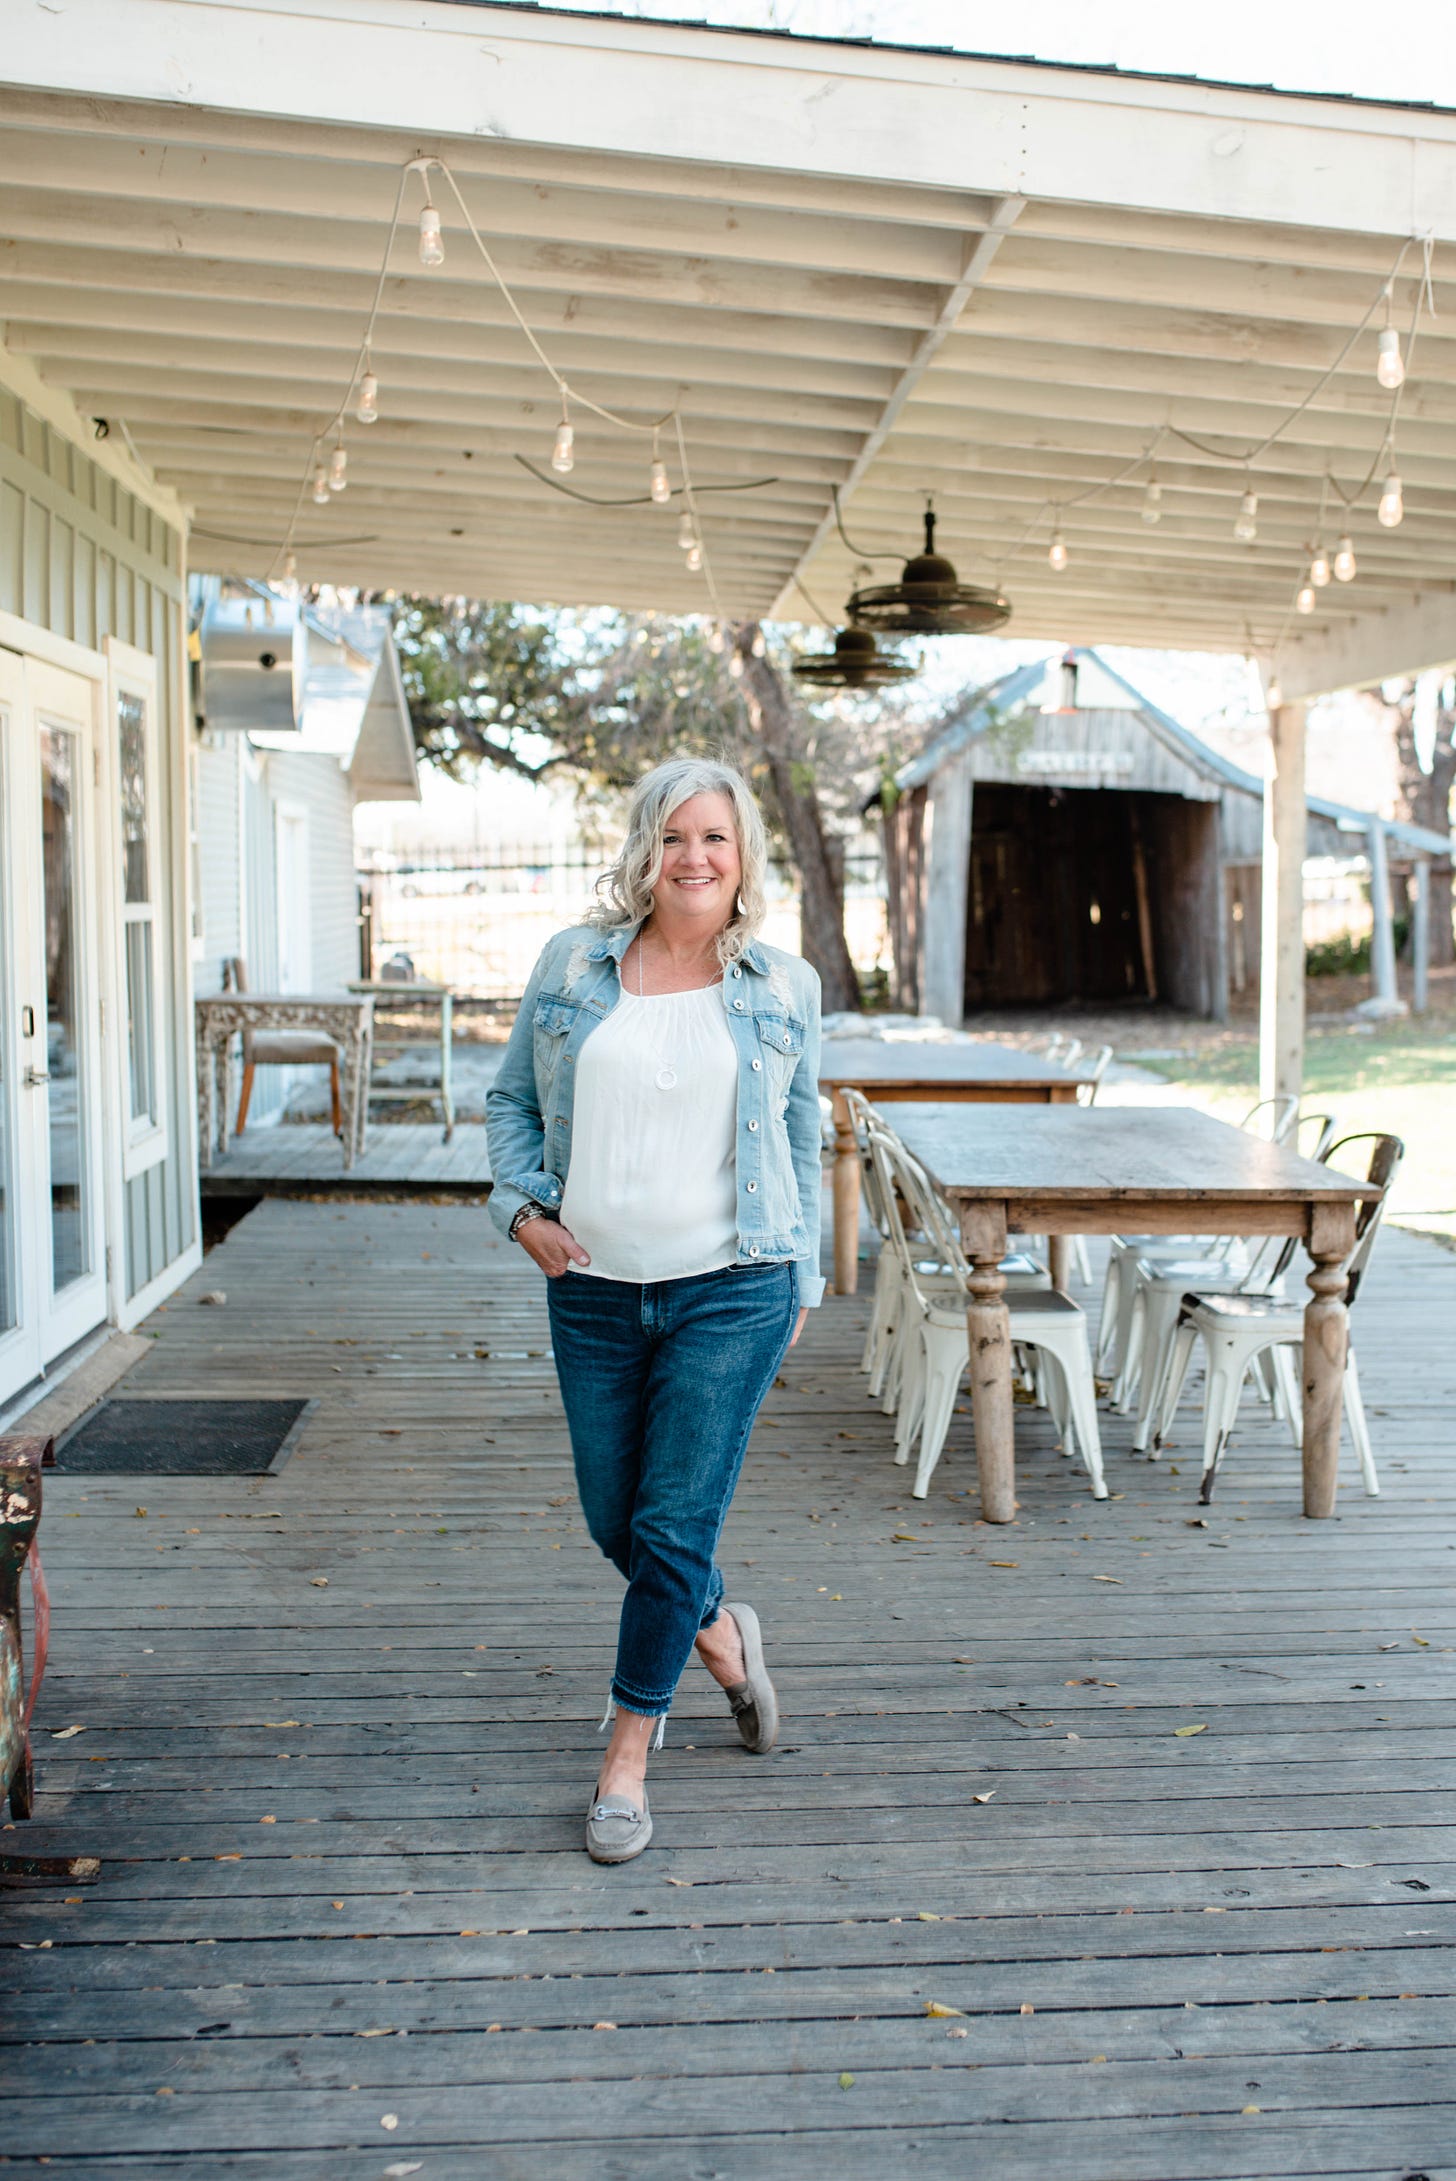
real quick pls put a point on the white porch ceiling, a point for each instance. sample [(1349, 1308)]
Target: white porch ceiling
[(197, 269)]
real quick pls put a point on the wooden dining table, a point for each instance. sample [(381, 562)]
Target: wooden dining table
[(972, 1072), (1135, 1169)]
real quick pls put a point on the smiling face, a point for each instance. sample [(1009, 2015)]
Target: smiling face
[(701, 866)]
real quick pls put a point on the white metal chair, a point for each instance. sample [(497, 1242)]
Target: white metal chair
[(1160, 1288), (1043, 1321), (1116, 1358), (1237, 1330)]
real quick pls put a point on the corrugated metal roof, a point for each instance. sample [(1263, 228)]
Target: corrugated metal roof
[(870, 43)]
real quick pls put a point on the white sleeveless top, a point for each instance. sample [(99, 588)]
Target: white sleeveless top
[(651, 1190)]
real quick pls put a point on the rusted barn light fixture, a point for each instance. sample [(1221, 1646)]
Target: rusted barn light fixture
[(856, 662), (929, 599)]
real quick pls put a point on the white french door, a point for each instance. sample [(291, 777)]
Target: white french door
[(52, 1197)]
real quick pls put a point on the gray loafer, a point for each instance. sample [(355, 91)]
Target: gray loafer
[(755, 1706), (616, 1829)]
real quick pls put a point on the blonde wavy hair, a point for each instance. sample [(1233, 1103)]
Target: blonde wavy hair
[(626, 889)]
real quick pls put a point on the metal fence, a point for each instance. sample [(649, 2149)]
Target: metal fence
[(477, 919)]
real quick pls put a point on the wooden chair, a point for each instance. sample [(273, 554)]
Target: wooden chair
[(281, 1049)]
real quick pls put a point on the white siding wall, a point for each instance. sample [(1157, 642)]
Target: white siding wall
[(219, 840), (319, 784)]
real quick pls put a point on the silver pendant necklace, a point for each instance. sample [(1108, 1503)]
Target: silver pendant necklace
[(666, 1076)]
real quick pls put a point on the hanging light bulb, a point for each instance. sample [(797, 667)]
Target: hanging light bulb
[(1345, 562), (368, 409), (695, 556), (320, 487), (290, 567), (1273, 695), (338, 468), (1153, 502), (563, 450), (1247, 525), (1389, 366), (759, 647), (660, 488), (432, 248), (1392, 502), (1319, 568), (687, 535), (1304, 599), (1057, 551)]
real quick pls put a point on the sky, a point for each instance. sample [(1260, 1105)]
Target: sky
[(1402, 52)]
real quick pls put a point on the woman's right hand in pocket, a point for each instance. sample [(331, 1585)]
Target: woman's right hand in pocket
[(552, 1246)]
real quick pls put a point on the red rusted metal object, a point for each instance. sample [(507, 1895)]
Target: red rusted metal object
[(20, 1501)]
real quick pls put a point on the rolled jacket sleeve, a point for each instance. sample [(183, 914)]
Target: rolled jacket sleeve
[(515, 1129), (806, 1142)]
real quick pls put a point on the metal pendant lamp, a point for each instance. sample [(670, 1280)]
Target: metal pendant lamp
[(929, 599), (856, 662)]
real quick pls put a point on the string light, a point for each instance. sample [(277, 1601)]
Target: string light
[(563, 453), (1319, 568), (290, 567), (338, 469), (687, 536), (1304, 599), (368, 409), (320, 487), (1345, 562), (660, 488), (1389, 365), (1247, 524), (1392, 501), (695, 556), (432, 247), (1153, 502), (1057, 551), (1273, 695)]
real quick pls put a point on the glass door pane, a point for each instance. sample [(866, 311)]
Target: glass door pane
[(69, 1121), (9, 1230)]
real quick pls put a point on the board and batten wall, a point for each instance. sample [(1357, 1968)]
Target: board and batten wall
[(84, 558)]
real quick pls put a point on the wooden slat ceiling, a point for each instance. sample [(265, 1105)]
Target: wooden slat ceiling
[(203, 278)]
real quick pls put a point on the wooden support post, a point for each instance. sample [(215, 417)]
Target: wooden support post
[(1384, 992), (946, 890), (1421, 937), (1281, 988)]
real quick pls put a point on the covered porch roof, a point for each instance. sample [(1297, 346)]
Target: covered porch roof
[(890, 272)]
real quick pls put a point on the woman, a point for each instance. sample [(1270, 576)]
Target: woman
[(654, 1137)]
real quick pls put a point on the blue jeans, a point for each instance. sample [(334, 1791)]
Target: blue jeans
[(661, 1383)]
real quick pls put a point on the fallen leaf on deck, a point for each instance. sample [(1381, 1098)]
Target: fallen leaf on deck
[(320, 1582), (984, 1798), (1183, 1732), (66, 1734), (941, 2012), (267, 1821), (1423, 1641), (1003, 1563), (604, 2025), (924, 1916), (227, 1859), (677, 1881), (405, 2165), (389, 2120), (846, 2082), (1108, 1579), (1026, 2007), (1251, 2108), (374, 2033)]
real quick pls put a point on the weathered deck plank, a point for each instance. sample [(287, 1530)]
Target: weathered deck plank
[(340, 1824)]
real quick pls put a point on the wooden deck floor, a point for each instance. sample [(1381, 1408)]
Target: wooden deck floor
[(345, 1927), (307, 1157)]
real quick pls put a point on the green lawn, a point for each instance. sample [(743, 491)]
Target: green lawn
[(1401, 1077)]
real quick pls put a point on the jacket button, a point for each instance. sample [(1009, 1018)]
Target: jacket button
[(738, 973), (739, 1005), (757, 1067), (752, 1186), (753, 1128), (753, 1249), (787, 1039)]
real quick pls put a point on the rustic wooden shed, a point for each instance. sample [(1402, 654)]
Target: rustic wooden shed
[(1062, 838)]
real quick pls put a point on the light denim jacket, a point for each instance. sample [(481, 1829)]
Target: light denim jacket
[(771, 1001)]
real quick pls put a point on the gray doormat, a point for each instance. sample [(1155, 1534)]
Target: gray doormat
[(183, 1437)]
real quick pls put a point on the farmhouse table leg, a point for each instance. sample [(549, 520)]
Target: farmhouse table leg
[(988, 1331), (846, 1200), (1326, 1345), (1059, 1260), (223, 1051), (206, 1102), (352, 1086)]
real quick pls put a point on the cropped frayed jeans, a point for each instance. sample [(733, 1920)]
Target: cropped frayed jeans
[(661, 1383)]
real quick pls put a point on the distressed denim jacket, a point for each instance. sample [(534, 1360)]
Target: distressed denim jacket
[(771, 1001)]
